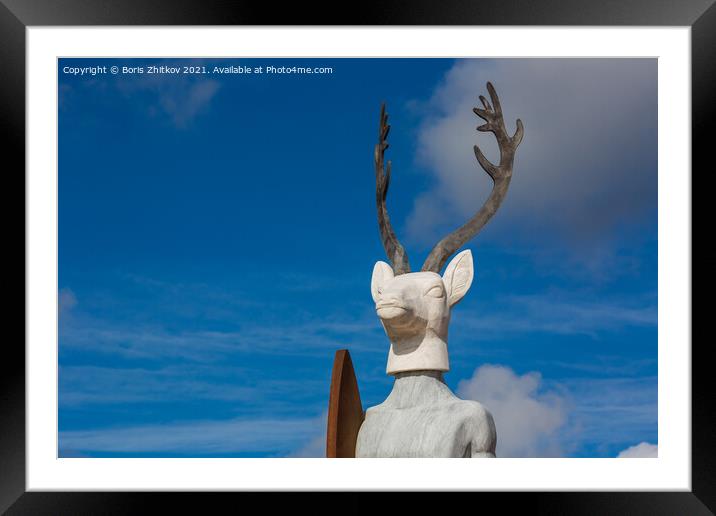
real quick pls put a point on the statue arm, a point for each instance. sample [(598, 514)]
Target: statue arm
[(483, 455), (484, 436)]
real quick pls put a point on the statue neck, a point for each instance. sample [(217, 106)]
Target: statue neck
[(415, 388), (427, 352)]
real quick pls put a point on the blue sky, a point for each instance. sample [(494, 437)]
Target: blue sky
[(217, 235)]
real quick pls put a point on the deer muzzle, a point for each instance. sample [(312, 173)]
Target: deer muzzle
[(390, 309)]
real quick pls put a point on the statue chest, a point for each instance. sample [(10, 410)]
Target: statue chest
[(423, 431)]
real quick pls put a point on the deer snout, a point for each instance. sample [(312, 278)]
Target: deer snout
[(390, 307), (385, 301)]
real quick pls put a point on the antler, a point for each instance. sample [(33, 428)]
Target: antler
[(395, 251), (501, 175)]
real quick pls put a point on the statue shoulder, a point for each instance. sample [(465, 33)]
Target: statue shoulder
[(475, 410), (480, 426)]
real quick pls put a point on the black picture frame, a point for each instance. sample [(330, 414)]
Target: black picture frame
[(17, 15)]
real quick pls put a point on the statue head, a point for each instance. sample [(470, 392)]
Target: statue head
[(414, 307)]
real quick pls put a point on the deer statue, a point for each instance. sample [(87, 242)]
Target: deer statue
[(421, 417)]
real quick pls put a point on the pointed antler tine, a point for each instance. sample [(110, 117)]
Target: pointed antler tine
[(393, 249), (383, 121), (517, 138), (485, 163), (386, 130), (495, 99), (483, 113)]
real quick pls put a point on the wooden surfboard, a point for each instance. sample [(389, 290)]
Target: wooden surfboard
[(345, 412)]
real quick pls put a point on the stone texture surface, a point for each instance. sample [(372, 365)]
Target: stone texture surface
[(423, 418)]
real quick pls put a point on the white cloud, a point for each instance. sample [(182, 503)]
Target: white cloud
[(85, 385), (277, 329), (536, 418), (180, 97), (587, 161), (528, 421), (609, 365), (642, 450), (195, 437), (66, 301), (614, 410), (183, 105), (316, 447), (311, 338), (554, 312), (532, 421)]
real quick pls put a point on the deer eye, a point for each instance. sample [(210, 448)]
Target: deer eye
[(436, 291)]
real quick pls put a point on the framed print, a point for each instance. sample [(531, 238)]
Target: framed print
[(208, 224)]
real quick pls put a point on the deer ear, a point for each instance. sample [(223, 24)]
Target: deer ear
[(458, 277), (382, 273)]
